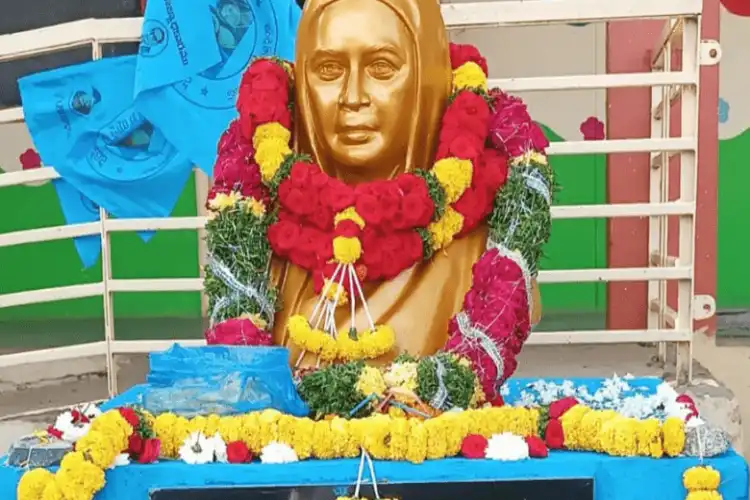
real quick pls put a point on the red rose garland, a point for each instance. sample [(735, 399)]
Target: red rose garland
[(378, 229)]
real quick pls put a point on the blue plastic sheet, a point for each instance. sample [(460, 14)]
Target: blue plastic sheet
[(221, 380)]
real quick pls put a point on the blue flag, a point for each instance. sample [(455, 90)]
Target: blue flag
[(78, 209), (191, 59), (82, 121)]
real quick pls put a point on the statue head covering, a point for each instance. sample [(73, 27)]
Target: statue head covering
[(424, 23)]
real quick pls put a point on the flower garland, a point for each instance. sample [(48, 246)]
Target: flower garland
[(497, 433), (345, 235)]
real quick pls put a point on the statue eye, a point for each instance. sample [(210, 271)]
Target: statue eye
[(330, 71), (382, 69)]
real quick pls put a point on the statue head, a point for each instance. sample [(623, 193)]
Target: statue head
[(372, 79)]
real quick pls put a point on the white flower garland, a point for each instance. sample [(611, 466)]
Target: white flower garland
[(507, 447)]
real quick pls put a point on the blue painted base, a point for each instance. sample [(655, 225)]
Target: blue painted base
[(614, 478)]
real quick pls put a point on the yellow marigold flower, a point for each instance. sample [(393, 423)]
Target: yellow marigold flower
[(437, 443), (346, 250), (400, 428), (255, 207), (77, 475), (223, 201), (99, 447), (469, 76), (336, 293), (528, 158), (370, 381), (417, 450), (444, 230), (271, 131), (230, 428), (33, 483), (52, 491), (454, 176), (269, 155), (648, 434), (701, 478), (322, 442), (349, 214), (673, 436), (704, 495), (571, 423), (307, 339)]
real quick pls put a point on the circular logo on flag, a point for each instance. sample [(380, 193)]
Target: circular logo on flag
[(154, 39), (240, 32)]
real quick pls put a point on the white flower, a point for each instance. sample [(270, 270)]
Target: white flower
[(507, 447), (220, 449), (120, 460), (278, 453), (197, 449)]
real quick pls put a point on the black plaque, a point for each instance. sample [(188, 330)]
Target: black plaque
[(553, 489)]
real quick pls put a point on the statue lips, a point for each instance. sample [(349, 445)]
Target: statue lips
[(353, 135)]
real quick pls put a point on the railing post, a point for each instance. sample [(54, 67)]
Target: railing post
[(688, 181)]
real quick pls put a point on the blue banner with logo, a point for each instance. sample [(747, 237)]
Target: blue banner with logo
[(78, 209), (191, 59), (82, 121)]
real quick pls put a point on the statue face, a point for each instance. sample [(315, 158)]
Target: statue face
[(361, 79)]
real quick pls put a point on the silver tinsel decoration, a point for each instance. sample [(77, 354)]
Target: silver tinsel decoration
[(705, 441)]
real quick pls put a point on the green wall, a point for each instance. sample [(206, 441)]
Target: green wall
[(733, 270), (173, 254)]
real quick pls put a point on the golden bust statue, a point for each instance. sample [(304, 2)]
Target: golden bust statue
[(372, 81)]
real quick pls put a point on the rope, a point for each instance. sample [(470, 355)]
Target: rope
[(440, 398), (472, 332), (225, 275)]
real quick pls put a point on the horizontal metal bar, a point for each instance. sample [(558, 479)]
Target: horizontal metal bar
[(615, 274), (11, 115), (608, 337), (557, 12), (51, 294), (621, 210), (155, 224), (622, 146), (157, 285), (49, 234), (144, 346), (28, 176), (69, 35), (589, 82), (53, 354)]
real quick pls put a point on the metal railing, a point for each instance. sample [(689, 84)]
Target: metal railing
[(682, 14)]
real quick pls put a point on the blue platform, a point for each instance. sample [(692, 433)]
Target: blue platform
[(614, 478)]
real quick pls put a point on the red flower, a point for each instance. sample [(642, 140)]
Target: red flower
[(150, 452), (511, 128), (238, 453), (461, 54), (467, 114), (495, 399), (54, 432), (553, 434), (368, 207), (297, 200), (473, 446), (592, 129), (283, 236), (265, 75), (130, 416), (338, 195), (135, 444), (537, 448), (263, 96), (558, 408), (30, 159), (239, 331)]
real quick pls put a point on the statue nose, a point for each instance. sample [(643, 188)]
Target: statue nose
[(354, 96)]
